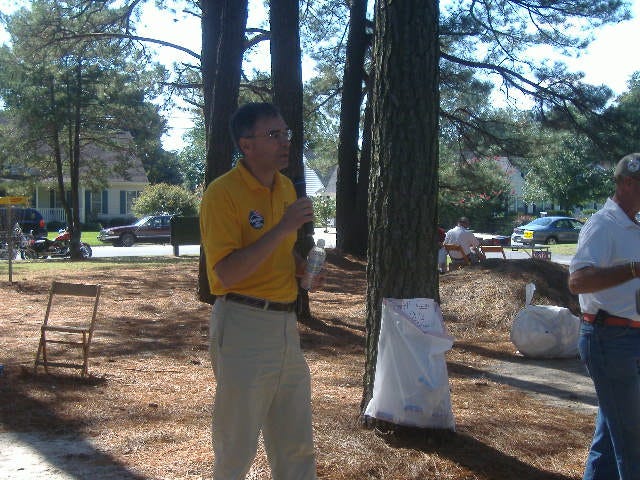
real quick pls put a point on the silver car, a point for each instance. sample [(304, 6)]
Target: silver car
[(548, 230)]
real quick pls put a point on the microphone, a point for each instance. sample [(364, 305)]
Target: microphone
[(301, 191)]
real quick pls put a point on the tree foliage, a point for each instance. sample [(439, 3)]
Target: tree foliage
[(566, 171), (64, 93), (191, 157), (164, 198), (324, 210)]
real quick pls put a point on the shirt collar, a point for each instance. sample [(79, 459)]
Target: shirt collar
[(253, 183), (618, 214)]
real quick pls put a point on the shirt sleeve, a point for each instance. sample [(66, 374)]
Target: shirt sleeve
[(594, 247), (473, 240), (220, 226)]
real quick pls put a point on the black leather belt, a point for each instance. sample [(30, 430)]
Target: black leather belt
[(260, 303)]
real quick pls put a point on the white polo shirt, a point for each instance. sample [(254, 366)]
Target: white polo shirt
[(461, 236), (609, 238)]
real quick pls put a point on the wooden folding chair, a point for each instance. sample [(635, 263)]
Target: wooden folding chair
[(493, 249), (458, 261), (71, 311)]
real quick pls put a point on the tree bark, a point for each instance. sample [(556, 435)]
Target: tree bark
[(402, 253), (349, 238), (360, 227), (286, 74), (223, 34)]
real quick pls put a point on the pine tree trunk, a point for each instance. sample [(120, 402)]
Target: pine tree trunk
[(402, 253), (286, 74), (360, 228), (223, 35), (347, 183)]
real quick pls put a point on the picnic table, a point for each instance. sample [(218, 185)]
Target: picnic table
[(534, 251)]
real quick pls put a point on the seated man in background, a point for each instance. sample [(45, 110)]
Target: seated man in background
[(462, 236), (442, 252)]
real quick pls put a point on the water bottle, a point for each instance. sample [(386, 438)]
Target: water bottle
[(315, 260)]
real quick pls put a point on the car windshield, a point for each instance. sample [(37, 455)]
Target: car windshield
[(542, 221), (142, 221)]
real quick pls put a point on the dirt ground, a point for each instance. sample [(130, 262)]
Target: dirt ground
[(145, 410)]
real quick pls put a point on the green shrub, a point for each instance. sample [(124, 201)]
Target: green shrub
[(324, 210), (91, 227), (164, 198)]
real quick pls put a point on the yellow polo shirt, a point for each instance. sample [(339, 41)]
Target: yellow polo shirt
[(236, 211)]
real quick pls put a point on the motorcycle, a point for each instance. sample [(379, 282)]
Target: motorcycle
[(17, 242), (4, 251), (60, 247)]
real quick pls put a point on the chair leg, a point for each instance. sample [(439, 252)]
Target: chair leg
[(35, 364), (85, 354), (44, 354)]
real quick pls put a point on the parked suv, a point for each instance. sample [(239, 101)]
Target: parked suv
[(150, 229), (549, 230), (29, 220)]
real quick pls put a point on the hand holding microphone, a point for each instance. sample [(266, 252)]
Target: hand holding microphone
[(301, 191)]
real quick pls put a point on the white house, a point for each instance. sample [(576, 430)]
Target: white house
[(125, 177), (313, 182)]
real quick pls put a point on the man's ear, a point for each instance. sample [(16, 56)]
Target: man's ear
[(244, 144)]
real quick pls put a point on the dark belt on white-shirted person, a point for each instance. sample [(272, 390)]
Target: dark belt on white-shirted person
[(260, 303)]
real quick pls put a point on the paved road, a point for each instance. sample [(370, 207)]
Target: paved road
[(143, 250), (149, 250)]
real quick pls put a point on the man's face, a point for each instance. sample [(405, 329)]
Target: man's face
[(268, 145), (632, 186)]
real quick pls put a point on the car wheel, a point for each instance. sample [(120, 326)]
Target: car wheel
[(127, 239), (552, 241)]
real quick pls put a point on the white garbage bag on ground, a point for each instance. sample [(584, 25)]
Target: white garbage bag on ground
[(544, 331), (411, 385)]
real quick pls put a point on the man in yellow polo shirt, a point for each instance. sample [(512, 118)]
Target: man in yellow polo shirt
[(248, 221)]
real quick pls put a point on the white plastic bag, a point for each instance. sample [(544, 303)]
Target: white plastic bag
[(542, 331), (411, 385)]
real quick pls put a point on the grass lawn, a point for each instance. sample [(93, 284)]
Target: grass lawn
[(564, 248), (89, 237)]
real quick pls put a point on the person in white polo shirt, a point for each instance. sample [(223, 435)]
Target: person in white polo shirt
[(604, 272), (462, 236)]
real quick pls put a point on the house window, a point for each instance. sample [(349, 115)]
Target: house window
[(96, 204), (54, 198), (126, 200)]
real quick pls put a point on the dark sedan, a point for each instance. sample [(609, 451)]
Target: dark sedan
[(151, 229)]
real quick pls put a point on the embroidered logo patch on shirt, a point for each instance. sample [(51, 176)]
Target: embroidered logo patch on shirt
[(256, 220)]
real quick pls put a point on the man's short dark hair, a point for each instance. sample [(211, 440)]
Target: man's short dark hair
[(245, 118), (463, 221)]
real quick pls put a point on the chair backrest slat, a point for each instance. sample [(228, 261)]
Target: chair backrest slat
[(77, 289)]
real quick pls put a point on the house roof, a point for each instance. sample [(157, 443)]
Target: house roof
[(314, 185), (121, 165), (330, 189), (116, 162)]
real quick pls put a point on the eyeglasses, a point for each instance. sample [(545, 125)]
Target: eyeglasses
[(277, 135)]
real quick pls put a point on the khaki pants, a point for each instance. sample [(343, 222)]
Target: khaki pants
[(263, 383)]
